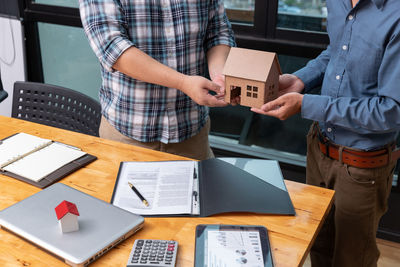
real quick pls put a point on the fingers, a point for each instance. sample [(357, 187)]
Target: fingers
[(272, 113), (212, 86), (235, 101), (212, 101), (273, 105)]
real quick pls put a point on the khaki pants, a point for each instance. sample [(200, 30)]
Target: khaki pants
[(348, 237), (196, 147)]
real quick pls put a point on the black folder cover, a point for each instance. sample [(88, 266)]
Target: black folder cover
[(224, 187), (57, 174), (227, 188)]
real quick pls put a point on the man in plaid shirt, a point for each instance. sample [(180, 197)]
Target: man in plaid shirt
[(154, 56)]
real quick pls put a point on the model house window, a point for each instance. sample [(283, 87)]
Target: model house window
[(252, 91), (248, 93)]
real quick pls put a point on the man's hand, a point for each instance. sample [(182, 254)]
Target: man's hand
[(289, 83), (220, 80), (283, 107), (197, 88)]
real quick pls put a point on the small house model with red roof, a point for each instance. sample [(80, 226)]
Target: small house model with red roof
[(251, 75), (67, 215)]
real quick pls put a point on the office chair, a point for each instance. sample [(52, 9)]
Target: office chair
[(56, 106), (3, 93)]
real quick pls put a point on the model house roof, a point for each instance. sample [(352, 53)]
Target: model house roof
[(66, 207), (249, 64)]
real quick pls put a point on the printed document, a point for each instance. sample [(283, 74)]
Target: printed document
[(167, 186)]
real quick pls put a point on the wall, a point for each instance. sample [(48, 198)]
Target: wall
[(12, 59)]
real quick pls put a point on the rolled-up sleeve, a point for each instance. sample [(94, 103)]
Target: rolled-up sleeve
[(106, 28), (219, 29)]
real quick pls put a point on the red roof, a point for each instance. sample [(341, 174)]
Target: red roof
[(64, 208)]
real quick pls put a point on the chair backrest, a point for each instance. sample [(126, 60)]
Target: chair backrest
[(3, 93), (56, 106)]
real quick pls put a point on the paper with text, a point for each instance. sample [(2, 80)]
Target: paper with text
[(166, 185)]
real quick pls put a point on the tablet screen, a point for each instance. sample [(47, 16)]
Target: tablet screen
[(232, 245)]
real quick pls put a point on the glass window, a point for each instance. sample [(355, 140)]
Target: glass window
[(66, 3), (240, 10), (68, 60), (308, 15)]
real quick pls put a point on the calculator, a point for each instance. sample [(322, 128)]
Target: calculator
[(151, 252)]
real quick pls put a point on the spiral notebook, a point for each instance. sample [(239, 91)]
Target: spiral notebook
[(39, 161)]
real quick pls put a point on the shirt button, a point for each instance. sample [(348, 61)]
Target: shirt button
[(337, 77), (350, 17), (329, 130), (344, 47)]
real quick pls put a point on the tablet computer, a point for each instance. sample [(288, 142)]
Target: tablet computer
[(232, 245)]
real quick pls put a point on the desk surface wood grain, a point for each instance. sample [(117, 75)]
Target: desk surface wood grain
[(290, 236)]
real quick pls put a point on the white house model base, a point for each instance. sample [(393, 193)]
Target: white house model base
[(69, 223)]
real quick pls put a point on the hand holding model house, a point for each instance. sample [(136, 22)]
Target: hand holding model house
[(251, 77)]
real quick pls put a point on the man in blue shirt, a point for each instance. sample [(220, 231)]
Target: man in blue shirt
[(351, 145), (154, 56)]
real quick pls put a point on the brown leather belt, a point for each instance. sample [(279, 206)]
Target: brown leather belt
[(358, 158)]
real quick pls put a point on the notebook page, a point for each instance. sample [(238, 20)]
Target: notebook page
[(37, 165), (19, 145)]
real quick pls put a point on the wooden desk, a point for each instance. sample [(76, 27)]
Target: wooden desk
[(290, 236)]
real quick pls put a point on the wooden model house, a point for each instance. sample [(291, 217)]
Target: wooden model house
[(67, 215), (253, 75)]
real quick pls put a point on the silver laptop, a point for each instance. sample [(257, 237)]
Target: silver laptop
[(101, 225)]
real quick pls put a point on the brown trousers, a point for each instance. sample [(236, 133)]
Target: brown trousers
[(196, 147), (348, 236)]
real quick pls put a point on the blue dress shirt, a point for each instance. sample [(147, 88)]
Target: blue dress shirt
[(359, 105)]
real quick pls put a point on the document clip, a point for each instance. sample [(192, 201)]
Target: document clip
[(196, 197)]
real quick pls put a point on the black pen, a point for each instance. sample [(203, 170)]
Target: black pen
[(138, 194)]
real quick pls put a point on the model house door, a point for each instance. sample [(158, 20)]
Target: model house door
[(235, 91)]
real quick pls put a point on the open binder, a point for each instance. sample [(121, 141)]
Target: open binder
[(214, 186), (38, 161)]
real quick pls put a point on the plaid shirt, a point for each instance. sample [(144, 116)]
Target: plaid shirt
[(177, 33)]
